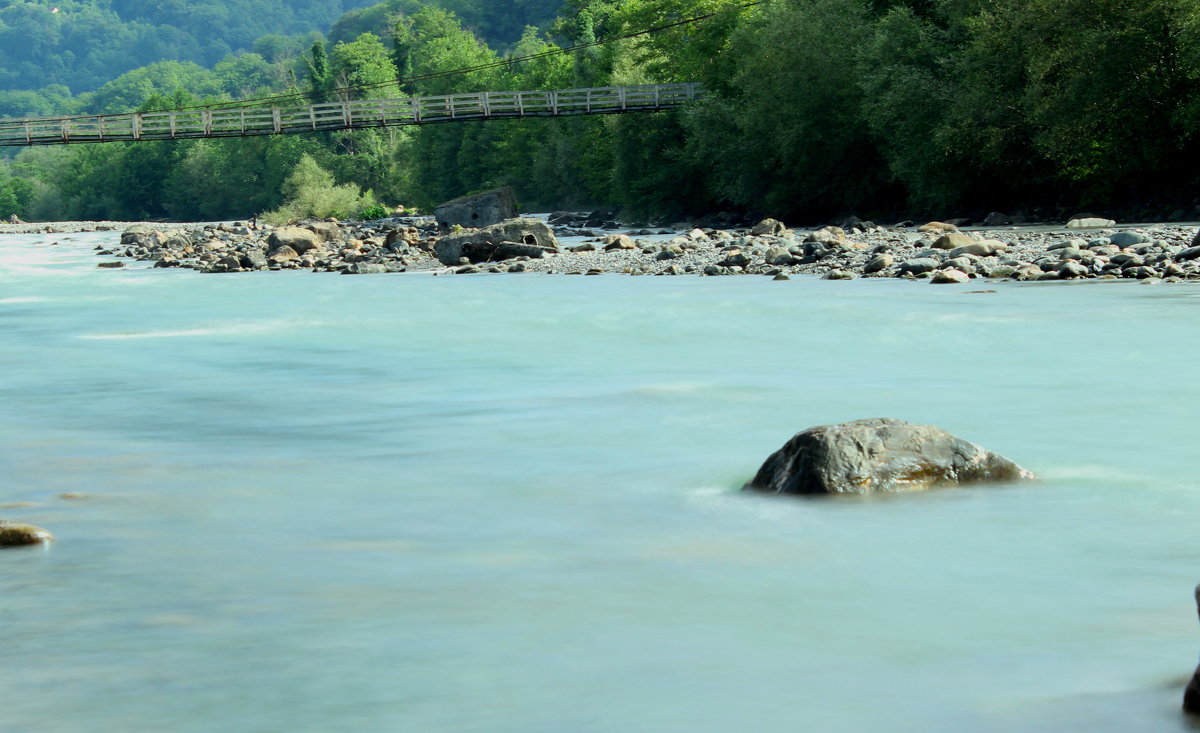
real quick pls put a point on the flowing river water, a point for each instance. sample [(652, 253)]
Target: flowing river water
[(509, 503)]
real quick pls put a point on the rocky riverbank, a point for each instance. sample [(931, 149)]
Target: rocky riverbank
[(937, 252)]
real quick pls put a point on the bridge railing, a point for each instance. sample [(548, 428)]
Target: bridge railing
[(243, 122)]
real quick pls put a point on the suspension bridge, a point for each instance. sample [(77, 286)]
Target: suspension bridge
[(347, 115)]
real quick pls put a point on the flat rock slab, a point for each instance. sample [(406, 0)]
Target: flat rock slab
[(512, 238), (880, 455)]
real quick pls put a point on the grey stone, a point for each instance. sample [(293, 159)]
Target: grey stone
[(878, 263), (1127, 259), (1141, 272), (947, 277), (734, 258), (953, 240), (778, 256), (985, 248), (768, 226), (1128, 239), (1190, 253), (328, 231), (366, 268), (618, 241), (254, 259), (880, 455), (1072, 270), (1002, 271), (1090, 223), (477, 210), (919, 265), (937, 227), (283, 254)]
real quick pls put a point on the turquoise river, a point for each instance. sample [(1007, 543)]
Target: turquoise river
[(509, 504)]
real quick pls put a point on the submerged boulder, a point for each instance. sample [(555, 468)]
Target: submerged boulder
[(1191, 695), (879, 455), (14, 534)]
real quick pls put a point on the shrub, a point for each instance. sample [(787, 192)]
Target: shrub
[(310, 192), (374, 211)]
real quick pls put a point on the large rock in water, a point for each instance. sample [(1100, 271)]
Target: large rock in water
[(13, 534), (512, 238), (478, 210), (1191, 695), (879, 455)]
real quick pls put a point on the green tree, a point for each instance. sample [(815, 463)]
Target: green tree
[(363, 69)]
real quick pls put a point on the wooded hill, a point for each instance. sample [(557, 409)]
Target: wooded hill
[(818, 108)]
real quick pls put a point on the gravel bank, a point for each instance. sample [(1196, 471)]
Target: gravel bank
[(936, 252), (71, 227)]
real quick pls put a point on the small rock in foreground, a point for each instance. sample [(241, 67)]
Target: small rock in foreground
[(13, 534), (1191, 695), (879, 455)]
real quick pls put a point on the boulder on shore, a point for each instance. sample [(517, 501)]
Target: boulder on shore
[(879, 455), (14, 534), (512, 238), (478, 210), (299, 239)]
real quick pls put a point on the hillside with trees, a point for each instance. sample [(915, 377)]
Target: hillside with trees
[(817, 108)]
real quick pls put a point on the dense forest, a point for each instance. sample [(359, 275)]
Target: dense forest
[(817, 108)]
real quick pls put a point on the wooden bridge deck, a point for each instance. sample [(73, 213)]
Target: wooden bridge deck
[(301, 118)]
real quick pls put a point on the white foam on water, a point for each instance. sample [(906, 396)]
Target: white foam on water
[(231, 329)]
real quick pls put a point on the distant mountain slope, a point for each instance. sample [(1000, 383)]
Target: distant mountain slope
[(84, 43)]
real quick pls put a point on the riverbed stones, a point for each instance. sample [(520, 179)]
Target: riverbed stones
[(15, 534), (409, 243), (879, 455)]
